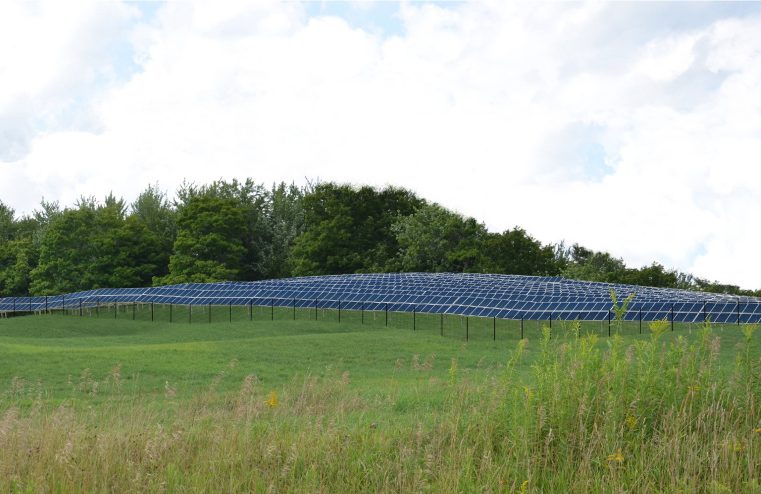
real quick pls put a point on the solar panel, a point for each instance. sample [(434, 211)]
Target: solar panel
[(486, 295)]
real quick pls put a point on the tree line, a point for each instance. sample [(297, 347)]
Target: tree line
[(242, 230)]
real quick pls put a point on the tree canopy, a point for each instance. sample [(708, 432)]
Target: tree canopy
[(434, 239), (242, 230), (348, 229)]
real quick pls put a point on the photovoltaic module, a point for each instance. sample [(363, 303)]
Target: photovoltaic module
[(467, 294)]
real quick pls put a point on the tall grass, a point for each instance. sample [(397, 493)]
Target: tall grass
[(593, 416)]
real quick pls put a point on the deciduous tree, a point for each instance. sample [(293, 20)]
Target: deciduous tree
[(434, 239), (348, 230)]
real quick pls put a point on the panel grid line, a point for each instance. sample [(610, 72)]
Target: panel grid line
[(487, 295)]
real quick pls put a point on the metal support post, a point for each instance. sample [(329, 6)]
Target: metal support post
[(738, 312)]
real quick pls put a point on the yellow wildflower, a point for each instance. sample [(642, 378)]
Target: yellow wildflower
[(618, 457), (524, 486), (631, 422), (694, 388), (272, 400), (757, 430)]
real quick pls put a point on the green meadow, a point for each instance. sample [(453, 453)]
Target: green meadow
[(296, 401)]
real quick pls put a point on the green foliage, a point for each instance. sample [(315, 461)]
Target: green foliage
[(17, 258), (689, 282), (210, 241), (619, 311), (221, 233), (516, 252), (653, 275), (136, 253), (7, 223), (434, 239), (305, 406), (19, 252), (584, 264), (67, 253), (349, 229), (284, 217), (588, 265), (153, 210), (95, 246), (244, 231)]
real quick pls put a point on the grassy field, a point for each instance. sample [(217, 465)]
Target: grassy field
[(102, 403)]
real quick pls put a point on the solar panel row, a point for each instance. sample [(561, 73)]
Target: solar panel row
[(486, 295)]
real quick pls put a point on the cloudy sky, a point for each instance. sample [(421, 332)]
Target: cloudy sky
[(633, 128)]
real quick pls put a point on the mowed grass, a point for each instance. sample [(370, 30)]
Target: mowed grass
[(53, 352), (258, 401)]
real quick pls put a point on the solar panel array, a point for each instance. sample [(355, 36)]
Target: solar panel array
[(484, 295)]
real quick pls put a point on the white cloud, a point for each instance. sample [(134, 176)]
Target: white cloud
[(53, 57), (577, 122), (666, 59)]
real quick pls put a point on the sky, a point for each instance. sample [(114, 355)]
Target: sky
[(633, 128)]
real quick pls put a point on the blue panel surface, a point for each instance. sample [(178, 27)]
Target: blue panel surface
[(483, 295)]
